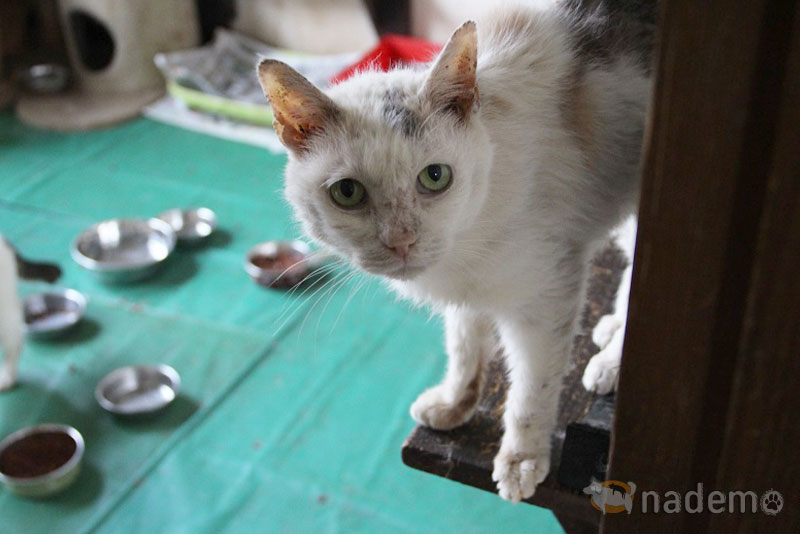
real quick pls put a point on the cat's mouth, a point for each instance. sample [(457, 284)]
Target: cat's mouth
[(396, 271), (406, 272)]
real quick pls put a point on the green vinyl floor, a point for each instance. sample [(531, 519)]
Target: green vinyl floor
[(293, 409)]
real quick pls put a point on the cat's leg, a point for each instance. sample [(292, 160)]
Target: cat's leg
[(600, 375), (12, 328), (537, 356), (8, 368), (469, 341)]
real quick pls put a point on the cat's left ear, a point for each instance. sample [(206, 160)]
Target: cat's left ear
[(452, 84), (300, 110)]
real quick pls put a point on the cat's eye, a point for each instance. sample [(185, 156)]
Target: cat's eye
[(348, 193), (434, 178)]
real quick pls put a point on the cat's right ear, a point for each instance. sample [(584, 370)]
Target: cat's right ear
[(300, 110), (452, 83)]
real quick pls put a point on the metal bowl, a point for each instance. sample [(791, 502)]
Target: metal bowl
[(52, 313), (190, 225), (37, 453), (124, 250), (279, 264), (138, 389), (46, 78)]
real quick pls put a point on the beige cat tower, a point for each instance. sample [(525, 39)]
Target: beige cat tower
[(111, 44)]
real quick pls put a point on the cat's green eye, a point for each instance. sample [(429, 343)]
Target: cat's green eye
[(434, 178), (348, 193)]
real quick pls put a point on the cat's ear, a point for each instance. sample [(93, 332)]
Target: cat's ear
[(451, 84), (300, 110)]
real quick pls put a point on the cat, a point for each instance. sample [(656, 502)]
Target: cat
[(480, 185), (12, 324)]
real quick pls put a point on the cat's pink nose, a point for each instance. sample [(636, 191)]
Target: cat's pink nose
[(401, 243)]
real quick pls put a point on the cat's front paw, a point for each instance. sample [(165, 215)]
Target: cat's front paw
[(605, 329), (600, 375), (438, 409), (518, 474)]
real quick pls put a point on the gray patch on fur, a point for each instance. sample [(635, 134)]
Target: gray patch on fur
[(604, 30), (398, 115)]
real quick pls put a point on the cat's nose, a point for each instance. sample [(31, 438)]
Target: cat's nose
[(400, 243)]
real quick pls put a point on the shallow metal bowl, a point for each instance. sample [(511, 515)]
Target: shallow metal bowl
[(263, 265), (46, 78), (124, 250), (190, 225), (52, 313), (51, 482), (138, 389)]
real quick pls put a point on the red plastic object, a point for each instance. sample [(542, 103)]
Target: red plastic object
[(390, 51)]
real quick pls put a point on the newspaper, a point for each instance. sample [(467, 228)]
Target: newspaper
[(226, 69)]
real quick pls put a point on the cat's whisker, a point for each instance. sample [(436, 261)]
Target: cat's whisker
[(340, 280), (307, 259), (320, 274), (298, 304), (330, 299), (353, 293), (307, 299)]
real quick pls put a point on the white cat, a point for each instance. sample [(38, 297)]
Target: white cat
[(12, 326), (12, 322), (480, 186)]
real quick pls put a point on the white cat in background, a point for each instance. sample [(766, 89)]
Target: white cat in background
[(12, 323), (481, 186), (12, 326)]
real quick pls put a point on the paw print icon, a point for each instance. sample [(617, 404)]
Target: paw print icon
[(771, 502)]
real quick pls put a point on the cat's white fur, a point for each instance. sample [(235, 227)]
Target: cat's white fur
[(601, 373), (544, 165), (12, 330)]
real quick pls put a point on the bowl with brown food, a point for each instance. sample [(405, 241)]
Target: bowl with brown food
[(41, 460), (280, 264)]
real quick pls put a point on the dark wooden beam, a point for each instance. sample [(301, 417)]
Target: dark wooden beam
[(704, 389)]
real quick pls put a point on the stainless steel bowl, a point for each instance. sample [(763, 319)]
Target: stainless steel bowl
[(46, 78), (50, 482), (138, 389), (190, 225), (52, 313), (124, 250), (279, 264)]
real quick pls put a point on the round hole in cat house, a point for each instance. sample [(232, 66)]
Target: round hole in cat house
[(93, 41)]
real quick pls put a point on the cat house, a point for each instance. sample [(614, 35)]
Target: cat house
[(111, 44)]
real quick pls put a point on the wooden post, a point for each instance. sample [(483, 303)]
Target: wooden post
[(709, 381)]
